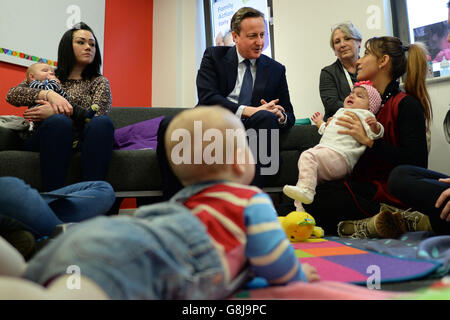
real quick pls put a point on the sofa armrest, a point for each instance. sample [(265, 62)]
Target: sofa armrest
[(10, 140)]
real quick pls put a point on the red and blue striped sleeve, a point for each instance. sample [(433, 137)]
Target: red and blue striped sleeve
[(270, 253)]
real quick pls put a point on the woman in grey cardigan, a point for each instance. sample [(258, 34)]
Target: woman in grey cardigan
[(337, 79)]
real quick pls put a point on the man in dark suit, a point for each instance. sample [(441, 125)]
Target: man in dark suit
[(249, 84), (217, 79)]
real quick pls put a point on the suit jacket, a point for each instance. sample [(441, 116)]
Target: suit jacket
[(216, 79), (333, 88)]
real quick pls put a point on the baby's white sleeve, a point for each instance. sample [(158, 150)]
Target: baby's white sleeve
[(375, 136)]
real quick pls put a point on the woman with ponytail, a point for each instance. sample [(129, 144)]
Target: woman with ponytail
[(361, 199)]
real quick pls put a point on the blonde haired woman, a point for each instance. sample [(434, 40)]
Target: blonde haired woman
[(337, 79)]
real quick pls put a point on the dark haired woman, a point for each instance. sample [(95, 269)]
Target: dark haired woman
[(405, 116), (78, 70)]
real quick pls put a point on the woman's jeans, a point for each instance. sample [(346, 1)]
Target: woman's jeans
[(54, 139), (22, 207)]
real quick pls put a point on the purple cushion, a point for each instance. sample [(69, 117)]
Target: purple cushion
[(141, 135)]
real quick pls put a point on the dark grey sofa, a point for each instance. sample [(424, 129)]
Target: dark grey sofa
[(136, 173)]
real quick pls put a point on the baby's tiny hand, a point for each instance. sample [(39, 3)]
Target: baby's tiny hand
[(53, 77), (316, 117), (373, 124), (310, 272)]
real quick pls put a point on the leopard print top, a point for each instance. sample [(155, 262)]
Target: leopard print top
[(82, 93)]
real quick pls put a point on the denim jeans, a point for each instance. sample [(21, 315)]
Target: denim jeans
[(162, 253), (22, 207)]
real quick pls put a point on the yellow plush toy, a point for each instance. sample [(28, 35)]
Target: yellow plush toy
[(300, 226)]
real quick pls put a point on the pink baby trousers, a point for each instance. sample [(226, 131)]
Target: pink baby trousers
[(319, 164)]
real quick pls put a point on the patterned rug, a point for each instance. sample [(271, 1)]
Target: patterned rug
[(336, 261)]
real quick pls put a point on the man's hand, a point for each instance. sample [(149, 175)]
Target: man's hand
[(268, 106), (275, 108)]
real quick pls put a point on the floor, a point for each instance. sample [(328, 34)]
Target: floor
[(284, 205)]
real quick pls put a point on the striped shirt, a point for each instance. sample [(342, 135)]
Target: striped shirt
[(244, 227), (49, 85)]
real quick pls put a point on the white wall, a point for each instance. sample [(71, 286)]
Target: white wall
[(35, 27), (176, 37), (301, 33), (164, 69)]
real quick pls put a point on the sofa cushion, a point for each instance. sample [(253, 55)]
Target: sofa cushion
[(140, 135), (124, 116)]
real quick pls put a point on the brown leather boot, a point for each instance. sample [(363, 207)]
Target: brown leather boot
[(381, 225), (410, 220)]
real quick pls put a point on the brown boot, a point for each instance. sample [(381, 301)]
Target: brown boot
[(410, 220), (413, 220), (381, 225)]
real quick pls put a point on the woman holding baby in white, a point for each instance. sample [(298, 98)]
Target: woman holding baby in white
[(336, 154)]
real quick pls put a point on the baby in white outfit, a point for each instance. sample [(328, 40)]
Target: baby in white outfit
[(336, 154)]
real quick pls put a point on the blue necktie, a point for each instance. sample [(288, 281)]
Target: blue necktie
[(245, 96)]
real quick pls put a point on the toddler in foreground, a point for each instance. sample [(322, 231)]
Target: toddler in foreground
[(205, 243), (336, 154)]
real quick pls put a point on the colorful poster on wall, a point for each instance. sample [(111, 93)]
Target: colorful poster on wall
[(223, 11), (30, 30), (435, 37)]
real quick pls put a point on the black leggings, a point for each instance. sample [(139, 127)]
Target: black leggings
[(419, 189)]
